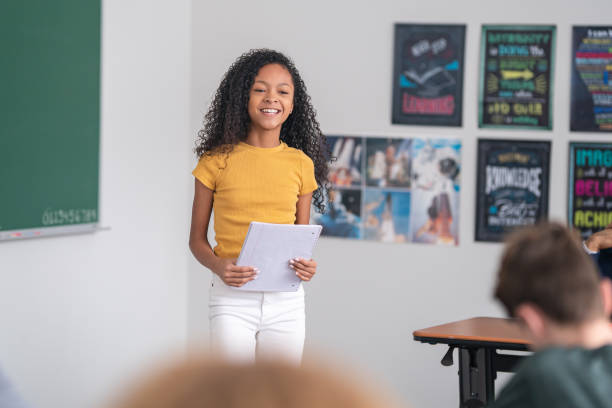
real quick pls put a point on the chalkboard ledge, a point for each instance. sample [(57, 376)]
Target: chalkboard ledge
[(28, 233)]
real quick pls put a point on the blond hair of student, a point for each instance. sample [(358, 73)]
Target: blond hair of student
[(202, 383)]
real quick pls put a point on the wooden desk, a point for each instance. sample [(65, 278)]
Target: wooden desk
[(478, 340)]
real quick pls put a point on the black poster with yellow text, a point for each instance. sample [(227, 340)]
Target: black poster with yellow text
[(590, 187), (516, 77)]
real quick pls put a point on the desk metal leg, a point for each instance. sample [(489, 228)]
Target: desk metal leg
[(476, 377), (478, 368)]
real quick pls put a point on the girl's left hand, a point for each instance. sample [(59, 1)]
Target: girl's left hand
[(304, 268)]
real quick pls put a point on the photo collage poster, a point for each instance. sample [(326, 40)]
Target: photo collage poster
[(591, 98), (512, 186), (590, 187), (516, 76), (393, 190), (428, 74)]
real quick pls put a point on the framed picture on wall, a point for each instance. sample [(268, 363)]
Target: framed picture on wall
[(386, 215), (388, 162), (347, 167), (511, 186), (393, 190), (591, 98), (386, 203), (346, 174), (516, 76), (428, 74), (589, 207), (436, 169)]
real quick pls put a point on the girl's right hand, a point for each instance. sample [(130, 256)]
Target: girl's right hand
[(233, 275)]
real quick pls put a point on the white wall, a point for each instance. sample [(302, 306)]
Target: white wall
[(81, 314), (369, 297)]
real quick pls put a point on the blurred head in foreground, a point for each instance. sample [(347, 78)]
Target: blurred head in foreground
[(547, 280), (201, 383)]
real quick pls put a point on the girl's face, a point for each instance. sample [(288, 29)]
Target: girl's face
[(271, 97)]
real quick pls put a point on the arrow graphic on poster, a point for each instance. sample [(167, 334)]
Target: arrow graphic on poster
[(525, 74)]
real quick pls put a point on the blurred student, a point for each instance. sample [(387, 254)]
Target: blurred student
[(202, 383), (547, 281)]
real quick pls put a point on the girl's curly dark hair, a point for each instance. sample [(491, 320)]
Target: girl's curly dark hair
[(227, 121)]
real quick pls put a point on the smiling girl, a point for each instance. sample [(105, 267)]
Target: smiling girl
[(262, 157)]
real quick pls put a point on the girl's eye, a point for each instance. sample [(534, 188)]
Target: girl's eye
[(259, 90), (284, 92)]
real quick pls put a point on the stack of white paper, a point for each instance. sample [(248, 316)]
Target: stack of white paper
[(269, 247)]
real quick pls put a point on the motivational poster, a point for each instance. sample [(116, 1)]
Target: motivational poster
[(393, 190), (512, 186), (516, 76), (428, 74), (591, 98), (590, 186)]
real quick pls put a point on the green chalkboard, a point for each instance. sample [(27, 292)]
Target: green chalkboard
[(49, 116)]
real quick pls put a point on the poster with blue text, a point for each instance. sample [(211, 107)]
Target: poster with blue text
[(512, 186), (516, 76), (590, 187), (591, 100), (428, 74)]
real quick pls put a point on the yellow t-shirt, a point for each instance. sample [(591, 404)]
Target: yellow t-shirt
[(253, 184)]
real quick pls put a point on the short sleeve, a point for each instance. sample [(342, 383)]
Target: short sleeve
[(309, 183), (207, 170)]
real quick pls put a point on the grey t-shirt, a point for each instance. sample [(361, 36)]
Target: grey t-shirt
[(561, 377)]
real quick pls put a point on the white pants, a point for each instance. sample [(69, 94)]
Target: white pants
[(248, 324)]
